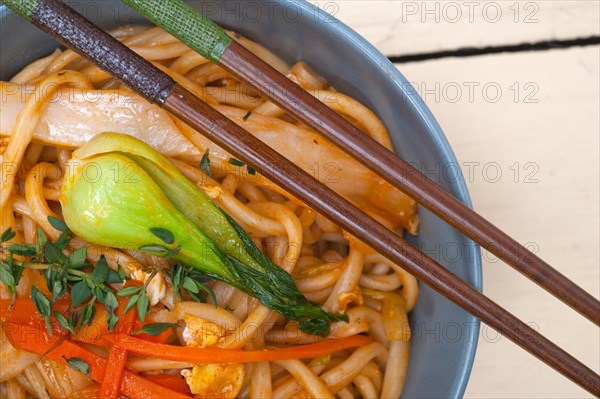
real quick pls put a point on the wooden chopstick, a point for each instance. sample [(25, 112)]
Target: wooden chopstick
[(212, 42), (84, 37)]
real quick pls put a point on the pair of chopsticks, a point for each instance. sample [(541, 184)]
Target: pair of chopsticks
[(84, 37), (211, 41)]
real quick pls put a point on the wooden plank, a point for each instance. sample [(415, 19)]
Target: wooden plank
[(408, 27), (542, 134)]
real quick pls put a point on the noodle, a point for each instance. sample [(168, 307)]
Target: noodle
[(260, 386), (346, 286), (309, 381), (329, 267)]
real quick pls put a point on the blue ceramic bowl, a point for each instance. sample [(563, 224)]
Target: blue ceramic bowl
[(444, 336)]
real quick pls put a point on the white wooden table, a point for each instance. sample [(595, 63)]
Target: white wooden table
[(534, 117)]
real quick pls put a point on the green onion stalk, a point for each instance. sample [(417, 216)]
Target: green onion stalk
[(120, 192)]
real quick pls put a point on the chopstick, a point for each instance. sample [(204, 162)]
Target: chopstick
[(84, 37), (212, 42)]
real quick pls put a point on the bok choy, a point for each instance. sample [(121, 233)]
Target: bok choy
[(120, 192)]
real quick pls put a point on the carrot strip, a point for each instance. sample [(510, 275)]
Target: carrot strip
[(36, 340), (114, 374), (24, 312), (117, 358), (136, 387), (215, 355), (171, 381)]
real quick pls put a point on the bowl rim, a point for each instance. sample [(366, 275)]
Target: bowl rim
[(459, 188)]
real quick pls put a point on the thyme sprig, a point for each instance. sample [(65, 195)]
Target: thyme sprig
[(191, 281), (62, 272), (10, 271), (205, 163), (138, 297)]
